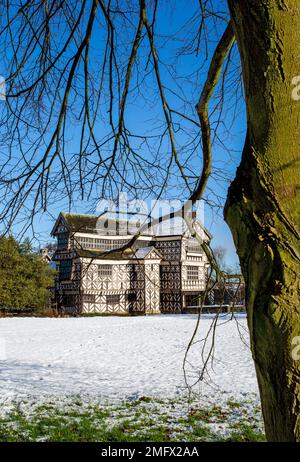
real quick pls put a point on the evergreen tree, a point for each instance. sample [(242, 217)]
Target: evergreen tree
[(24, 278)]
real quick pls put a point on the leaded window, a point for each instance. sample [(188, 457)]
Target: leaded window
[(89, 298), (62, 240), (104, 271), (194, 247), (192, 273), (113, 299)]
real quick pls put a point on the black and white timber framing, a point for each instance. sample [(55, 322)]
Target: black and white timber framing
[(162, 274)]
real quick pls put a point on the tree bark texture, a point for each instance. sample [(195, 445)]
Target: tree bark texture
[(263, 204)]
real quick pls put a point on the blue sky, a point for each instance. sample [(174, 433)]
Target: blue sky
[(176, 22)]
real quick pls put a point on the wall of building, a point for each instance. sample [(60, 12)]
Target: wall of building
[(130, 287)]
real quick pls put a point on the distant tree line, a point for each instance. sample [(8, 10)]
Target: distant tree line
[(24, 277)]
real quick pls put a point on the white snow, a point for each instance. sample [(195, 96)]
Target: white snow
[(122, 357)]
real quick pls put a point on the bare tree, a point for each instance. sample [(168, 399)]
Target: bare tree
[(74, 68), (220, 253)]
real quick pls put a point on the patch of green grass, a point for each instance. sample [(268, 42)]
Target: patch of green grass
[(51, 424), (145, 419), (234, 404), (246, 433), (208, 415)]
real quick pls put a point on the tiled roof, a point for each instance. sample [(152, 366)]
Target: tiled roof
[(139, 254), (105, 255), (77, 223), (80, 223), (88, 223)]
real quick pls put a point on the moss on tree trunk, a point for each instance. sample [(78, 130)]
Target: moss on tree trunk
[(263, 204)]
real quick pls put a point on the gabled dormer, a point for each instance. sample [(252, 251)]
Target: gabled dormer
[(147, 253), (62, 232)]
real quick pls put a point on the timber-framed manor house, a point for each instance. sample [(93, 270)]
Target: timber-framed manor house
[(161, 273)]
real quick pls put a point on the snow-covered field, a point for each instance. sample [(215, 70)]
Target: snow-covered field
[(123, 357), (122, 379)]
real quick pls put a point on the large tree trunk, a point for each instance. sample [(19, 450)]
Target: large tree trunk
[(263, 205)]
